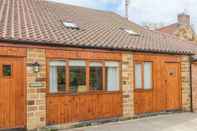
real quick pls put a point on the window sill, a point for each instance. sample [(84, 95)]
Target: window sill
[(84, 93), (143, 90)]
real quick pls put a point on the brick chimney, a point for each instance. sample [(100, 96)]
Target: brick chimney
[(184, 19)]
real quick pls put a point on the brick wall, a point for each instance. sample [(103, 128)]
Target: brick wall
[(194, 86), (185, 82), (36, 103), (127, 85)]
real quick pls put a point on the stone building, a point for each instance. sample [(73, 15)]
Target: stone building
[(182, 29)]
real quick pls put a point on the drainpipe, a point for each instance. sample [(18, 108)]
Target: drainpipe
[(191, 95)]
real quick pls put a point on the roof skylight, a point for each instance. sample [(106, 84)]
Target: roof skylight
[(131, 32), (70, 25)]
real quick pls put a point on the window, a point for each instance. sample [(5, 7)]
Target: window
[(147, 75), (77, 71), (112, 75), (78, 76), (130, 32), (96, 76), (57, 76), (7, 70), (138, 76), (143, 75), (70, 25)]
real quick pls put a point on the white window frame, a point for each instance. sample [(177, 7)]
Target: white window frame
[(141, 75), (53, 86), (150, 78), (142, 63), (109, 86), (77, 63)]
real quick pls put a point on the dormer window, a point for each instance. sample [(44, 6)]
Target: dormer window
[(70, 25)]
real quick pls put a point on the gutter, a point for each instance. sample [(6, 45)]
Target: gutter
[(52, 44)]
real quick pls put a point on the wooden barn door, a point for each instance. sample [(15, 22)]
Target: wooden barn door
[(172, 76), (12, 100), (165, 92)]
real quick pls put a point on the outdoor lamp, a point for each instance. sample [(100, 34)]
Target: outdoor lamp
[(36, 67)]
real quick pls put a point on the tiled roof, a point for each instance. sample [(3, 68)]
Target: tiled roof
[(170, 29), (42, 22)]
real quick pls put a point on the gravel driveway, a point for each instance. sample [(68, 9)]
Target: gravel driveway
[(170, 122)]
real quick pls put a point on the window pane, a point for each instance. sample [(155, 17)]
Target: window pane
[(138, 76), (147, 75), (61, 78), (7, 70), (112, 78), (78, 79), (57, 78), (96, 78)]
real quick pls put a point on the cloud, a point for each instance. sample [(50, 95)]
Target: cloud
[(161, 11)]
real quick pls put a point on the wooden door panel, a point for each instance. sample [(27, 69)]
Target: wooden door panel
[(5, 99), (172, 86), (12, 100), (159, 92), (143, 102), (160, 98), (88, 106)]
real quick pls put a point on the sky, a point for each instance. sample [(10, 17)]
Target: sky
[(144, 11)]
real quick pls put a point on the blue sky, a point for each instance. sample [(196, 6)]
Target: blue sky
[(109, 5), (144, 11)]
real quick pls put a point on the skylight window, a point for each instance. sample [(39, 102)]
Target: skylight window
[(70, 25), (131, 32)]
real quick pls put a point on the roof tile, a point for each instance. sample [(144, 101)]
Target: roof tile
[(42, 21)]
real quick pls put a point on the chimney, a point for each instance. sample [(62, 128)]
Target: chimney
[(184, 19), (126, 8)]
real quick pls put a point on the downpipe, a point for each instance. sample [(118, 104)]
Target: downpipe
[(191, 88)]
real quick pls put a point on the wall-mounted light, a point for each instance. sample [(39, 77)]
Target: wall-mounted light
[(36, 67)]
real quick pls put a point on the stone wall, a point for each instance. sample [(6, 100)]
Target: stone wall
[(127, 85), (185, 83), (36, 103), (186, 33)]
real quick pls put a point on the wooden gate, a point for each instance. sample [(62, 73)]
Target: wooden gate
[(12, 99), (165, 93)]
